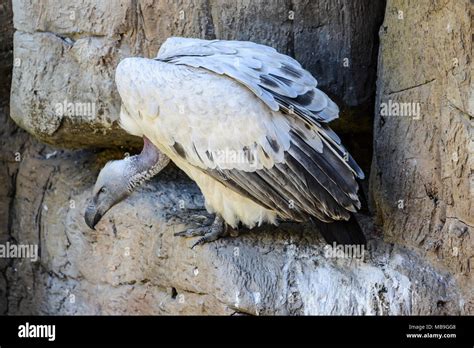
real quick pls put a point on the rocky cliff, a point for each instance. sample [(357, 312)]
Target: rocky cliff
[(67, 52), (422, 179)]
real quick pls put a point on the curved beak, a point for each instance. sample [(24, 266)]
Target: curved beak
[(92, 216)]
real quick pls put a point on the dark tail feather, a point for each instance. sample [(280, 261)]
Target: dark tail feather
[(342, 232)]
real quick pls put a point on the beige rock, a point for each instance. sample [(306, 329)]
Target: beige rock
[(422, 174)]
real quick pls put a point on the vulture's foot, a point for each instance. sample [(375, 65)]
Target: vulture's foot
[(201, 220), (208, 234)]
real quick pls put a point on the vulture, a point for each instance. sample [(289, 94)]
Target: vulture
[(248, 125)]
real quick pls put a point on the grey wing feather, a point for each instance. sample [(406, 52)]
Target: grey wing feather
[(308, 183), (297, 189), (278, 80)]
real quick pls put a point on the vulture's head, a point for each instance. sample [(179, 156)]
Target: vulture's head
[(112, 186)]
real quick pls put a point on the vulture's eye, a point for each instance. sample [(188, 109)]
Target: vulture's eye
[(103, 190)]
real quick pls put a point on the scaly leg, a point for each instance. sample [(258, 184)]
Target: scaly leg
[(208, 234)]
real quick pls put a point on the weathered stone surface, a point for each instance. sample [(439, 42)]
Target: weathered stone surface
[(133, 264), (67, 53), (422, 179)]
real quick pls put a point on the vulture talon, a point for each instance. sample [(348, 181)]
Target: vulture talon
[(201, 220), (217, 230), (209, 237), (192, 232)]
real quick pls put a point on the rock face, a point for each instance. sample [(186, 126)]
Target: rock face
[(422, 179), (66, 52), (133, 264)]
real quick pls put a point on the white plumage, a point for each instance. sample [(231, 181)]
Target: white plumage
[(247, 124)]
